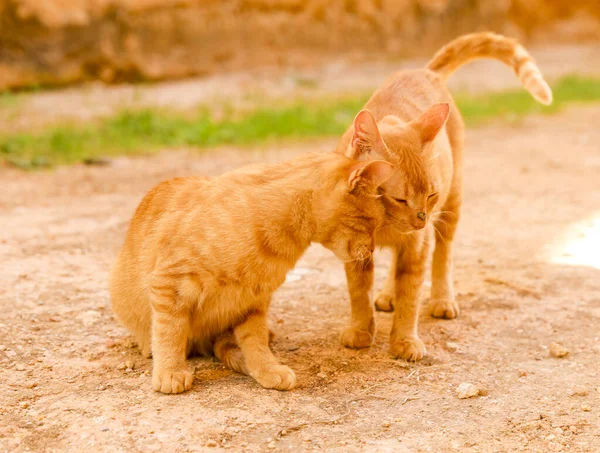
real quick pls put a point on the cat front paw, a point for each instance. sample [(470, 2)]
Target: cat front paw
[(357, 339), (172, 381), (409, 349), (444, 308), (279, 377), (384, 302)]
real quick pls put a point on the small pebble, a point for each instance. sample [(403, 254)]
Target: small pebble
[(452, 346), (585, 407), (102, 387), (573, 429), (579, 391), (110, 343), (121, 366), (20, 367), (550, 438), (466, 390), (558, 350), (522, 373), (2, 347), (322, 376), (558, 431), (386, 424), (271, 445), (555, 446), (129, 364), (269, 439), (283, 432), (211, 443), (30, 384), (24, 404)]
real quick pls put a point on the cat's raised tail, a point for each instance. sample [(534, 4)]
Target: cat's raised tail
[(490, 45)]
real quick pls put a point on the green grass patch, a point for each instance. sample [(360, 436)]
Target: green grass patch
[(145, 131)]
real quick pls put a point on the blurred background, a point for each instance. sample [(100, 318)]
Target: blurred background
[(143, 75), (59, 42)]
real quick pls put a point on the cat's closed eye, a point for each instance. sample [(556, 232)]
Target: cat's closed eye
[(432, 195), (399, 200)]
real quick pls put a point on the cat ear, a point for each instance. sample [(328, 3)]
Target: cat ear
[(366, 138), (431, 121), (373, 174)]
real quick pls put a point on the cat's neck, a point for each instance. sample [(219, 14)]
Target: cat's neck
[(285, 190)]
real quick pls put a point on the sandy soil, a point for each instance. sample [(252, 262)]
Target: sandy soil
[(531, 189)]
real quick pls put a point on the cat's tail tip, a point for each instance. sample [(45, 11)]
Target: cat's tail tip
[(533, 81)]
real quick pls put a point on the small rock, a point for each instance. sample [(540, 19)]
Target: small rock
[(555, 446), (558, 350), (110, 343), (271, 445), (102, 387), (386, 424), (522, 373), (121, 366), (466, 390), (2, 347), (20, 367), (573, 429), (550, 438), (579, 391), (129, 364), (269, 439), (211, 443), (452, 346), (322, 376), (30, 384), (558, 431), (24, 404), (283, 432), (585, 407)]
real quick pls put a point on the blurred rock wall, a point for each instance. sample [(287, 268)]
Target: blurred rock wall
[(57, 42)]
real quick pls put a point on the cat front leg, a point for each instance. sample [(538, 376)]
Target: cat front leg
[(385, 299), (361, 332), (410, 264), (170, 333), (443, 303), (252, 337)]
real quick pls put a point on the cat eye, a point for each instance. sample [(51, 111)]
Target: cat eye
[(399, 200), (433, 195)]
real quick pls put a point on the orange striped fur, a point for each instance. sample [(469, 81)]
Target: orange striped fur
[(202, 258), (412, 121)]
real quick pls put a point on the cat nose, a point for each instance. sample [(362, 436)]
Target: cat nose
[(420, 221)]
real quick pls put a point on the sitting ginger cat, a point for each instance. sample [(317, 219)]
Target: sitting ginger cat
[(202, 258), (412, 122)]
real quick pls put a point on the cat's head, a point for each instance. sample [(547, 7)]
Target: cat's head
[(412, 194), (347, 207)]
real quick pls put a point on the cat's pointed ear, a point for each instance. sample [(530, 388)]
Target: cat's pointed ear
[(431, 121), (371, 174), (366, 138)]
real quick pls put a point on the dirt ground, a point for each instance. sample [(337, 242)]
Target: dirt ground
[(527, 275)]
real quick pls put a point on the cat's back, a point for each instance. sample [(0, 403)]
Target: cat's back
[(407, 94), (165, 200)]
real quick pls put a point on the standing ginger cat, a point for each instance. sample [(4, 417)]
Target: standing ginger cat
[(202, 258), (412, 122)]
